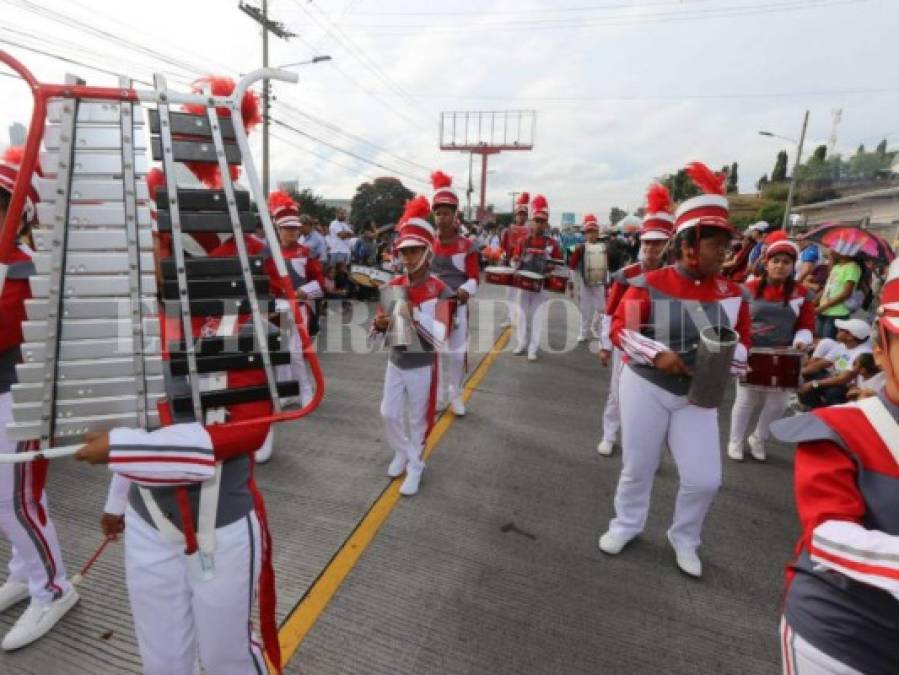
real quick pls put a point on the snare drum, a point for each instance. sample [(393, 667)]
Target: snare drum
[(774, 368), (557, 281), (528, 281), (370, 277), (499, 275)]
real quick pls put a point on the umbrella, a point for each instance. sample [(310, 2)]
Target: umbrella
[(852, 241)]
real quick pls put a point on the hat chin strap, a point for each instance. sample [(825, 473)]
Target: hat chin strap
[(425, 258)]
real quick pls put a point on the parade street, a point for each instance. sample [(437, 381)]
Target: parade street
[(494, 566)]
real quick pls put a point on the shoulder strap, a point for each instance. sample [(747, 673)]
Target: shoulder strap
[(882, 422)]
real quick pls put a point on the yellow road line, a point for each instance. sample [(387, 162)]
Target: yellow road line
[(303, 617)]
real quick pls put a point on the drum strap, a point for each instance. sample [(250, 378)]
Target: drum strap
[(883, 423)]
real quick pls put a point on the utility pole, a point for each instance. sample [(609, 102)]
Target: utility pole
[(470, 188), (786, 221), (260, 16), (514, 196)]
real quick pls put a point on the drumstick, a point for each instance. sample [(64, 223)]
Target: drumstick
[(78, 578), (31, 455)]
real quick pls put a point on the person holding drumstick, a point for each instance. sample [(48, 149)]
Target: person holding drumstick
[(783, 315), (657, 325), (533, 254), (456, 263), (509, 240)]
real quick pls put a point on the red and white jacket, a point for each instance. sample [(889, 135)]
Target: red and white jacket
[(456, 263), (305, 272), (16, 290), (620, 281), (779, 324), (511, 237), (536, 247)]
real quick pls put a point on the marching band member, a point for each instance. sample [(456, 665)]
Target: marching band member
[(36, 570), (455, 262), (533, 254), (306, 276), (841, 607), (411, 380), (657, 325), (592, 298), (509, 241), (655, 233), (783, 315)]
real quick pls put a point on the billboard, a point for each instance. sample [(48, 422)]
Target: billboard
[(568, 219)]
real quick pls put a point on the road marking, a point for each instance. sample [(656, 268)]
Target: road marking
[(306, 612)]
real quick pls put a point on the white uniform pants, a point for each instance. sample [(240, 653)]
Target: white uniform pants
[(650, 416), (530, 318), (180, 618), (592, 301), (747, 401), (296, 369), (36, 559), (611, 414), (406, 389), (452, 371), (511, 303), (799, 657)]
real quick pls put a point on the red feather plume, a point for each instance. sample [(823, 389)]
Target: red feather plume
[(14, 155), (540, 203), (708, 181), (776, 236), (658, 199), (524, 199), (417, 207), (279, 200), (440, 180), (155, 179)]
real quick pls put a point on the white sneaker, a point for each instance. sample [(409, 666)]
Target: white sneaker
[(12, 593), (264, 453), (687, 560), (532, 356), (605, 448), (756, 448), (37, 621), (306, 396), (397, 465), (735, 450), (582, 337), (612, 543), (519, 351), (458, 406), (410, 485)]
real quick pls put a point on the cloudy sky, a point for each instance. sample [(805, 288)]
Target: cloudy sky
[(624, 90)]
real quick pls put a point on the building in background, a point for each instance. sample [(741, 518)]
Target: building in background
[(877, 210)]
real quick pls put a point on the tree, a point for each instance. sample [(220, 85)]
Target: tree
[(616, 214), (780, 167), (820, 153), (733, 179), (762, 182), (680, 186), (314, 205), (882, 148), (381, 200)]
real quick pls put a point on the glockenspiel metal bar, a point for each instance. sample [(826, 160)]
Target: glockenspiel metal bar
[(260, 329), (73, 429), (96, 215), (84, 407), (88, 329), (100, 137), (92, 388), (37, 309), (100, 239), (100, 162), (89, 112), (91, 286), (87, 369), (168, 161), (73, 350), (115, 262), (141, 344), (89, 189)]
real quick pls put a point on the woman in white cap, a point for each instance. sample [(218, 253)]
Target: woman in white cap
[(830, 371), (657, 325), (783, 315), (410, 384), (655, 234), (841, 606)]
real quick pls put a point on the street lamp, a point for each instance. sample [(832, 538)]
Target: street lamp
[(799, 144), (314, 59)]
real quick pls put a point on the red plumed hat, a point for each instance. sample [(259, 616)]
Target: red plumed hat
[(779, 242), (208, 173), (522, 203), (658, 223), (414, 228), (9, 171), (443, 190), (540, 207), (284, 210), (709, 209)]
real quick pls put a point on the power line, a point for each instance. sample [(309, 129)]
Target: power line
[(535, 10)]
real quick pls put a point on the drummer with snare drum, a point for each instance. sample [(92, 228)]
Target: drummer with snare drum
[(533, 259), (783, 318)]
